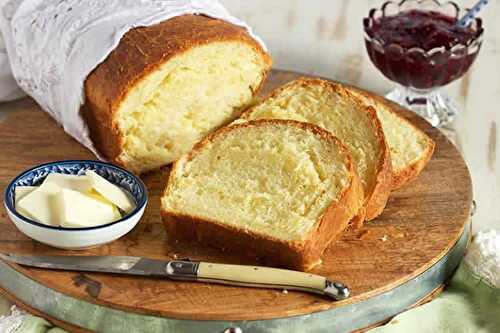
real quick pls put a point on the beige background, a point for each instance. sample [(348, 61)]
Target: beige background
[(324, 37)]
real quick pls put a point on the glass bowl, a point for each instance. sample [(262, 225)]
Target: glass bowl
[(420, 72)]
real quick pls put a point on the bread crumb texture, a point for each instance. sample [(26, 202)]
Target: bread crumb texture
[(276, 180), (187, 97), (319, 104), (406, 143)]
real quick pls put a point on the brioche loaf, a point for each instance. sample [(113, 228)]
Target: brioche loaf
[(166, 86), (332, 107), (279, 190), (410, 147)]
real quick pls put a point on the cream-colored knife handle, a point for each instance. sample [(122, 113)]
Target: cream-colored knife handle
[(256, 276)]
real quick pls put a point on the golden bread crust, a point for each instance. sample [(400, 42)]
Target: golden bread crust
[(141, 51), (411, 171), (408, 174), (376, 200), (300, 255)]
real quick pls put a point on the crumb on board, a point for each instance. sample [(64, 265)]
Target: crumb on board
[(384, 238), (363, 234), (284, 291), (174, 256)]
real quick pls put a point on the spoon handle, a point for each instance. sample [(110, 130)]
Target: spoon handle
[(471, 14)]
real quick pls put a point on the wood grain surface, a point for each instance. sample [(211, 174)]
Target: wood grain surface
[(421, 223)]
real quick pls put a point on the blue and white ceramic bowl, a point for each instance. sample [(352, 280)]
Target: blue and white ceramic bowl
[(77, 238)]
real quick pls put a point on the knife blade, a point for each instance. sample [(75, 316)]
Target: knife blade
[(239, 275)]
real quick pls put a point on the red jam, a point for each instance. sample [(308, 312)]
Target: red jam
[(403, 39)]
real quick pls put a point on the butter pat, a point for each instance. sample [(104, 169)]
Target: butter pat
[(73, 201), (72, 182), (110, 191), (39, 204), (78, 209), (21, 191)]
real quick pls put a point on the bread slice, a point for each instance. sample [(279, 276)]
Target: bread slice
[(166, 86), (278, 190), (410, 147), (332, 107)]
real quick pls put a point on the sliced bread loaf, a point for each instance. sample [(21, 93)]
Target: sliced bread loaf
[(278, 190), (410, 147), (166, 86), (332, 107)]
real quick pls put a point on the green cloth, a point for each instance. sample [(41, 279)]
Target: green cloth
[(468, 305), (34, 324)]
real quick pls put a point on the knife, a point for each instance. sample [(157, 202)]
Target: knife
[(238, 275)]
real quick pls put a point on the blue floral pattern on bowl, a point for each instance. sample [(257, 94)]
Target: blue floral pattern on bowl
[(116, 175)]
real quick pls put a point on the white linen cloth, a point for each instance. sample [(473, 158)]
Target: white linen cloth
[(9, 90), (52, 45)]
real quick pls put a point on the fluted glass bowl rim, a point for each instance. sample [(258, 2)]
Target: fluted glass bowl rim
[(456, 49)]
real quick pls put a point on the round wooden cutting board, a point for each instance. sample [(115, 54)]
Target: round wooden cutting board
[(390, 264)]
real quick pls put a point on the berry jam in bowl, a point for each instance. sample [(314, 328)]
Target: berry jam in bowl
[(418, 44)]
